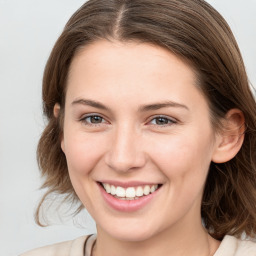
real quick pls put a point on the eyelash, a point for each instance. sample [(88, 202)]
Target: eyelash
[(84, 120), (153, 121), (170, 121)]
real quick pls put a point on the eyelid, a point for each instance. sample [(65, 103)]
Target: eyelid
[(84, 117), (171, 119)]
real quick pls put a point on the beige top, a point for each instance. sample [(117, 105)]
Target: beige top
[(82, 246)]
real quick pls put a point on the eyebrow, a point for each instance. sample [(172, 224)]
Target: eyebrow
[(165, 104), (144, 108), (91, 103)]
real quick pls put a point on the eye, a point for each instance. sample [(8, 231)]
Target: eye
[(93, 120), (162, 121)]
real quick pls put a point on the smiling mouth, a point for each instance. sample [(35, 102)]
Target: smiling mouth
[(130, 193)]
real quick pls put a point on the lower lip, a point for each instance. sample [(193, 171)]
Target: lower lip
[(126, 205)]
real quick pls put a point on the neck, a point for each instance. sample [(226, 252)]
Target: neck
[(192, 240)]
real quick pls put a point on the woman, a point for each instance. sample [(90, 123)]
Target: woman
[(152, 128)]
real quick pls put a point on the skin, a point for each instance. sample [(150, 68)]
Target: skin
[(129, 142)]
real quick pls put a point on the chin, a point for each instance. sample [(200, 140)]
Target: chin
[(131, 233), (132, 236)]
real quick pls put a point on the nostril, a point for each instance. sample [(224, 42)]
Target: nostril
[(125, 163)]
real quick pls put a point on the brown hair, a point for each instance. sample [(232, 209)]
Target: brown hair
[(196, 32)]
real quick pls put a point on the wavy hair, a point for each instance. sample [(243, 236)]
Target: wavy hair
[(195, 32)]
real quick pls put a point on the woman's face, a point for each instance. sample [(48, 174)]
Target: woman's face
[(136, 123)]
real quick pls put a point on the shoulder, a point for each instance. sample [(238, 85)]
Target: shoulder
[(68, 248), (232, 246), (246, 247)]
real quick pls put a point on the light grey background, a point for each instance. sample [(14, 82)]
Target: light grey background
[(28, 30)]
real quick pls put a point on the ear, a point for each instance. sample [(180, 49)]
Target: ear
[(56, 112), (230, 139)]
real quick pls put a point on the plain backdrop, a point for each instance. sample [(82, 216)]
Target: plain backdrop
[(28, 30)]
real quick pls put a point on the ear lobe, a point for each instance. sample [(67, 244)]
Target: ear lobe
[(62, 144), (230, 139), (56, 110)]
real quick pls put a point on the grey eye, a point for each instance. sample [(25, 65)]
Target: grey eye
[(94, 119), (160, 120)]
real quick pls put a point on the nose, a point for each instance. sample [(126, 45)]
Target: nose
[(126, 150)]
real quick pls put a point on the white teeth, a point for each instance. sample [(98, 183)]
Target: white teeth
[(139, 191), (146, 190), (153, 188), (130, 193), (120, 192), (112, 190), (107, 188)]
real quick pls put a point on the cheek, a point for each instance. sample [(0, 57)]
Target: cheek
[(82, 155), (185, 162), (82, 152), (183, 156)]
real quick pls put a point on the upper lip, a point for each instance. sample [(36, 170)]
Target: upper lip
[(128, 183)]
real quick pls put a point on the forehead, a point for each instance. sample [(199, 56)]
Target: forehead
[(135, 57), (129, 69), (130, 55)]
